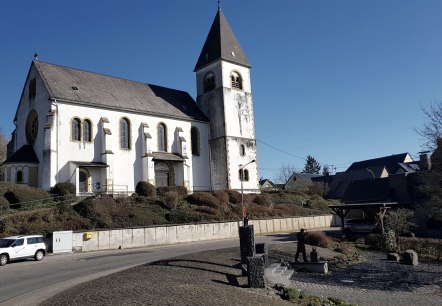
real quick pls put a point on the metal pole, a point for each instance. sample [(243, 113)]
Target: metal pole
[(242, 189), (242, 194)]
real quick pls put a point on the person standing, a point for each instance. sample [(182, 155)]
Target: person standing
[(301, 245)]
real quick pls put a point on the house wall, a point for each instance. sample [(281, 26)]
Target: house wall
[(126, 168), (164, 235)]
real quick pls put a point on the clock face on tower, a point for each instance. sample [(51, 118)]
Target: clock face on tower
[(32, 127)]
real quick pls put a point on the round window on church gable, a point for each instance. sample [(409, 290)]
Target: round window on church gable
[(32, 127)]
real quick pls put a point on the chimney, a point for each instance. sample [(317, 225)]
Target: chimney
[(425, 161)]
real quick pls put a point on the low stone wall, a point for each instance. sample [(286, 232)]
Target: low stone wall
[(174, 234)]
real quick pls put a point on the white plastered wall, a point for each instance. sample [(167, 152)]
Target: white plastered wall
[(127, 166)]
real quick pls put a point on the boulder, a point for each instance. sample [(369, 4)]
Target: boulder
[(393, 256), (411, 258)]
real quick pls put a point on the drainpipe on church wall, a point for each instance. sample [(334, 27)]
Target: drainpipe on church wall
[(56, 138), (210, 160)]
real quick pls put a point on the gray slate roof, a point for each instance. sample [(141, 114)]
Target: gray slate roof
[(369, 190), (25, 154), (304, 176), (391, 162), (109, 92), (221, 43)]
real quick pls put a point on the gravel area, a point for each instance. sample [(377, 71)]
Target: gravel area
[(207, 278), (214, 278), (375, 281)]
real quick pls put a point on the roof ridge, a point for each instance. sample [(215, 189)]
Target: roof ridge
[(106, 75)]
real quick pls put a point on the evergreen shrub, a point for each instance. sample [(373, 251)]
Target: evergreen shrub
[(63, 189), (319, 239), (263, 199), (222, 196), (203, 199), (234, 196), (180, 216), (385, 242), (171, 199), (145, 189), (180, 190), (16, 194), (3, 201), (423, 246)]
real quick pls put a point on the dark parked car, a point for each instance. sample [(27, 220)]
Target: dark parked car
[(359, 226)]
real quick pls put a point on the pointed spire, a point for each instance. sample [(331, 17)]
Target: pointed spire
[(221, 43)]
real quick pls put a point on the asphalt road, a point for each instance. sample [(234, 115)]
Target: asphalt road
[(30, 282)]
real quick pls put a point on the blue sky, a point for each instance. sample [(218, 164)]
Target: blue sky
[(340, 80)]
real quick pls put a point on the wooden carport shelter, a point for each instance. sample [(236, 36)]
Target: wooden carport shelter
[(379, 208)]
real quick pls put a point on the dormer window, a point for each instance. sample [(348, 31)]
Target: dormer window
[(209, 82), (236, 80)]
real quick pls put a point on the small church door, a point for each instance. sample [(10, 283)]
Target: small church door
[(83, 180), (161, 174)]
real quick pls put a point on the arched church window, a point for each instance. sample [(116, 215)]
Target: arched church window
[(195, 140), (162, 137), (244, 175), (209, 82), (236, 80), (31, 127), (75, 129), (124, 133), (242, 150), (87, 130), (19, 176)]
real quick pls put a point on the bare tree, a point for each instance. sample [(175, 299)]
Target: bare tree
[(284, 173), (432, 129)]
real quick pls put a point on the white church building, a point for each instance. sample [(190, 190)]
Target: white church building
[(104, 133)]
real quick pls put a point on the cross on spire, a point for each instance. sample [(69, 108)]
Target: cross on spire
[(219, 4)]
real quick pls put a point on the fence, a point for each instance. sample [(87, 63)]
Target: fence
[(41, 203)]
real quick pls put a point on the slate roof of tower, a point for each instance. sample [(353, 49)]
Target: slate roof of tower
[(221, 43), (103, 91)]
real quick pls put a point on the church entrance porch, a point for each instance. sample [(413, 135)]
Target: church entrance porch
[(84, 181), (88, 178), (168, 170), (163, 175)]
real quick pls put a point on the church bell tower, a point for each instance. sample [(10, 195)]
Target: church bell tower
[(224, 95)]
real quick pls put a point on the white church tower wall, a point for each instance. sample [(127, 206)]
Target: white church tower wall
[(224, 96)]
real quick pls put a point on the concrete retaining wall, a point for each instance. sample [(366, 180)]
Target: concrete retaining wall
[(163, 235)]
